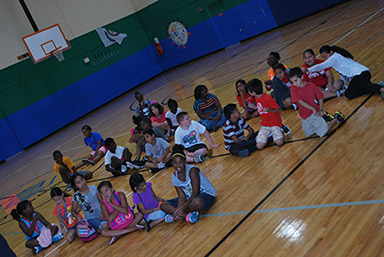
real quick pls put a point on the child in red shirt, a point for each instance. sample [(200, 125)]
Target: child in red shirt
[(245, 100), (314, 119), (269, 112)]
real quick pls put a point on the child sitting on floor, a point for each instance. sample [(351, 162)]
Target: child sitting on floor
[(117, 212), (146, 200), (311, 113), (118, 159), (269, 112), (157, 150), (245, 100), (171, 115), (38, 231), (65, 167), (158, 119), (194, 191), (235, 141), (188, 135)]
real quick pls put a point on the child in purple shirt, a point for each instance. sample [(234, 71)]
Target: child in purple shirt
[(146, 200)]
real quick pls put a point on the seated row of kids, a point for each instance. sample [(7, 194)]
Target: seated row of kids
[(108, 212)]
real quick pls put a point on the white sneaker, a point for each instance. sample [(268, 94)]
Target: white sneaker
[(380, 83), (124, 168)]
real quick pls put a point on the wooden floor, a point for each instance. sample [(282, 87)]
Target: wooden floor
[(310, 197)]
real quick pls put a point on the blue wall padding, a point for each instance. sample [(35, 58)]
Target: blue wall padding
[(287, 11), (9, 143), (52, 113), (61, 108)]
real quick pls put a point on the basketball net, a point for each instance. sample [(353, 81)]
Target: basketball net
[(58, 54)]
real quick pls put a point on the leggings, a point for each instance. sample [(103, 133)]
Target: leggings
[(361, 85)]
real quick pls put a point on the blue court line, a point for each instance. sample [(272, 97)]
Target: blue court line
[(306, 207)]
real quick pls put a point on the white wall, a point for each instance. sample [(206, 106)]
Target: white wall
[(76, 17)]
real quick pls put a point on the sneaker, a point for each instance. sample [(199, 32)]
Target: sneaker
[(69, 187), (154, 170), (138, 163), (243, 153), (124, 168), (380, 83), (88, 162), (57, 237), (382, 95), (169, 218), (198, 158), (339, 116), (192, 217), (286, 130), (132, 165), (295, 107), (327, 116), (37, 249)]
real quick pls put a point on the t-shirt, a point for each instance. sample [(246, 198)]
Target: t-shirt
[(92, 142), (69, 220), (89, 203), (158, 149), (159, 120), (268, 119), (66, 161), (233, 129), (271, 73), (144, 109), (206, 107), (318, 78), (170, 115), (146, 199), (287, 81), (186, 186), (118, 154), (248, 99), (308, 93), (191, 136)]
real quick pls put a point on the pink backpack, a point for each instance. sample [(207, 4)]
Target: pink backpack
[(122, 220), (85, 232)]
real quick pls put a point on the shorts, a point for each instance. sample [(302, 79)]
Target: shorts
[(96, 223), (196, 147), (156, 215), (103, 149), (314, 125), (265, 132), (208, 200), (82, 173)]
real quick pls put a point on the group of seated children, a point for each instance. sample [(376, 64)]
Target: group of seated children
[(107, 212)]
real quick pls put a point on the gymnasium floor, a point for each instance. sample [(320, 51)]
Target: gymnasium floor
[(310, 197)]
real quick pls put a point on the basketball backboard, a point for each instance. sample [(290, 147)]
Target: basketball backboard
[(44, 43)]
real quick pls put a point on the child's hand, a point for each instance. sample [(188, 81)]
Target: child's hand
[(266, 109), (305, 70), (101, 217), (214, 146), (252, 106)]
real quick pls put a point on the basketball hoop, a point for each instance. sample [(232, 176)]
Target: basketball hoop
[(58, 54)]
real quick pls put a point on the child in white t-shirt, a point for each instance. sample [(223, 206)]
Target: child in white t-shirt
[(188, 135)]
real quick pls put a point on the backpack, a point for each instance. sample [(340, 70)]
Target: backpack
[(85, 231)]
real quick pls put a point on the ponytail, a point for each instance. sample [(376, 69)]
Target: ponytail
[(336, 49), (15, 215), (19, 209)]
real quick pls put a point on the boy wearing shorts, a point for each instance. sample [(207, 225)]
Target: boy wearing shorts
[(269, 111), (310, 100), (66, 168)]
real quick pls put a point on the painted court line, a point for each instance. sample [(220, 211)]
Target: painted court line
[(306, 207)]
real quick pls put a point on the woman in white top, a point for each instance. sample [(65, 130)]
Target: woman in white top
[(357, 75)]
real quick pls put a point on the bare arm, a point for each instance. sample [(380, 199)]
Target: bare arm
[(251, 132), (28, 231), (167, 151), (208, 137), (308, 106)]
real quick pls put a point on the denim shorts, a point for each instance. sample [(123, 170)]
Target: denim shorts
[(208, 200), (156, 215), (96, 223)]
